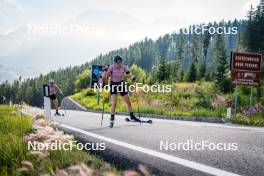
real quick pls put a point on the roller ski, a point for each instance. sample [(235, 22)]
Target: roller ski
[(141, 121), (135, 119), (58, 114)]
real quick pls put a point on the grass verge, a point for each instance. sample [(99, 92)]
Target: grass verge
[(185, 102), (150, 103), (254, 120), (13, 150)]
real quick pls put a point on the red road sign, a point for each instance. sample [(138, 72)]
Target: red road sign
[(246, 68)]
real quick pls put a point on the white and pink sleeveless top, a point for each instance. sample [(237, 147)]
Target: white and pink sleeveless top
[(117, 73)]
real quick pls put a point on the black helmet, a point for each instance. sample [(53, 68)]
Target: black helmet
[(118, 59)]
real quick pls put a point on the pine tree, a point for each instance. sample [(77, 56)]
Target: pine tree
[(195, 54), (192, 73), (163, 44), (163, 71), (253, 36), (248, 38), (195, 48), (222, 64), (180, 56), (206, 42)]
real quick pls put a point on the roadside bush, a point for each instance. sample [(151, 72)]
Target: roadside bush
[(12, 149), (83, 80), (254, 120), (205, 93)]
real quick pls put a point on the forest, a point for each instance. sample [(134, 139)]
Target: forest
[(172, 58)]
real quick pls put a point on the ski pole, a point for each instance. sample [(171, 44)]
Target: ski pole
[(64, 107), (102, 115), (63, 102), (104, 81), (137, 101), (105, 99)]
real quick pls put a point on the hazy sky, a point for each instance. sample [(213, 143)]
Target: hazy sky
[(118, 23), (14, 13)]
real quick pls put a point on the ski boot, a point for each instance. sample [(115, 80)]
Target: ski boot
[(133, 117), (57, 113)]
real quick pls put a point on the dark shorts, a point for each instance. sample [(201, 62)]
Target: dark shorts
[(53, 97), (117, 87)]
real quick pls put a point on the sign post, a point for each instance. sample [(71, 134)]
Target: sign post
[(250, 103), (96, 80), (246, 70), (228, 106), (236, 99)]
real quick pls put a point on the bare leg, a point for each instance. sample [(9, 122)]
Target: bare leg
[(114, 99), (129, 108), (56, 104), (128, 102)]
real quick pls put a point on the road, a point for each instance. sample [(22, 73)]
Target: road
[(128, 144)]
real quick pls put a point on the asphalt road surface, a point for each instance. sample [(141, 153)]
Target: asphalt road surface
[(129, 143)]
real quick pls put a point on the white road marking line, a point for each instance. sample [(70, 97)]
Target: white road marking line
[(193, 123), (27, 113), (205, 124), (180, 161), (188, 123)]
